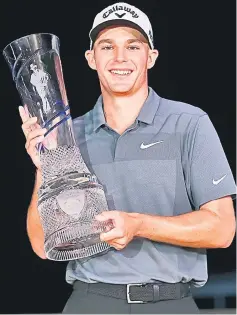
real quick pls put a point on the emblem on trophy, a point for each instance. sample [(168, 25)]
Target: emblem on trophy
[(70, 196)]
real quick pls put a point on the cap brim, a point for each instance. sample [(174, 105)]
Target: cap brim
[(95, 31)]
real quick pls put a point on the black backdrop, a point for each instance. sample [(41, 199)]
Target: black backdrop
[(196, 40)]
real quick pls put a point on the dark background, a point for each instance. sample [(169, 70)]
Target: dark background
[(196, 40)]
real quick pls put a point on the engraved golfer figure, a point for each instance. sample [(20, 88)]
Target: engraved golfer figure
[(39, 79)]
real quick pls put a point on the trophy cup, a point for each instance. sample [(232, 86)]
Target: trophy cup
[(70, 195)]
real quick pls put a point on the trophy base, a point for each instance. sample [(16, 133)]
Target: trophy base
[(69, 199), (64, 246)]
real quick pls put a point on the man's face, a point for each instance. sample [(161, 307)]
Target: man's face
[(121, 56), (33, 67)]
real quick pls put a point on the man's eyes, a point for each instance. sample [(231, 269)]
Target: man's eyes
[(130, 47), (106, 47)]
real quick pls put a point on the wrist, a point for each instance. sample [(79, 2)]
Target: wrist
[(38, 176), (139, 220)]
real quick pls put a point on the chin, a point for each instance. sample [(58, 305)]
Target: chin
[(121, 89)]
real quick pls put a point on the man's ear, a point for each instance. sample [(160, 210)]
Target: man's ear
[(89, 55), (153, 55)]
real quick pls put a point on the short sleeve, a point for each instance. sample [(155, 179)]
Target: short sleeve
[(210, 175)]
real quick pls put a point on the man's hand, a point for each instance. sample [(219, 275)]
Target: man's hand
[(34, 135), (212, 226), (125, 228)]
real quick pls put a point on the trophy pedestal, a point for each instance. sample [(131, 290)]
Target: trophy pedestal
[(64, 246), (69, 199)]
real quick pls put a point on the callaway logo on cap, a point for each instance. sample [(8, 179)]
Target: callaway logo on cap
[(122, 13)]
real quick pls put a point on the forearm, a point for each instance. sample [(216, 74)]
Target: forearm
[(34, 227), (198, 229)]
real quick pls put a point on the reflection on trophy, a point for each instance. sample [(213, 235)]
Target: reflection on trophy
[(70, 196)]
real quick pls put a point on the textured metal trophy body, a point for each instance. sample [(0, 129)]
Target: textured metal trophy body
[(70, 196)]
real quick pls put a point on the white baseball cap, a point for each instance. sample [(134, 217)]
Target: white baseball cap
[(122, 13)]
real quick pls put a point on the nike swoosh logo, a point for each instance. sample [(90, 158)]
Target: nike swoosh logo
[(145, 146), (216, 182), (120, 15)]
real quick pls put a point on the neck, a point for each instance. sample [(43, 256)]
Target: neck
[(122, 110)]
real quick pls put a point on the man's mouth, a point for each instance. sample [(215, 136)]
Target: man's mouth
[(120, 72)]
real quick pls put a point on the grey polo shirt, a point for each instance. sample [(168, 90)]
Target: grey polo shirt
[(169, 162)]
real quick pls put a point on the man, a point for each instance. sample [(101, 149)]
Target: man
[(168, 183)]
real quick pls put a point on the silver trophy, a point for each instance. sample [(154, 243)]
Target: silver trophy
[(70, 195)]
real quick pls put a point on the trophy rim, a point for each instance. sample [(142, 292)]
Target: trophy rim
[(29, 35)]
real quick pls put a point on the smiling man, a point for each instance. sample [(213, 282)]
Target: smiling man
[(116, 76), (168, 183)]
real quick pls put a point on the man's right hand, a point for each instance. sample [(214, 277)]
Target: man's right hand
[(34, 134)]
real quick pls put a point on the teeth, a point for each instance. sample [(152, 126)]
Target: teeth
[(121, 72)]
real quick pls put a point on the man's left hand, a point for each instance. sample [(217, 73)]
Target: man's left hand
[(125, 228)]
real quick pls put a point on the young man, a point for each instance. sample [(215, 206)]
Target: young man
[(168, 183)]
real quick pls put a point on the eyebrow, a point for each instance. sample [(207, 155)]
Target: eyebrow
[(134, 40), (110, 41), (102, 41)]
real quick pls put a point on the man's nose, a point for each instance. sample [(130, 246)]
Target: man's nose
[(120, 54)]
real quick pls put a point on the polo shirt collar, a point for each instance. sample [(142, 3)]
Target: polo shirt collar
[(146, 114), (98, 114), (149, 108)]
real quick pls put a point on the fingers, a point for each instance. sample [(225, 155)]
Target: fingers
[(24, 116), (109, 226), (28, 123), (26, 110), (115, 224), (33, 132), (118, 244), (107, 215), (31, 148), (33, 138), (113, 234)]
